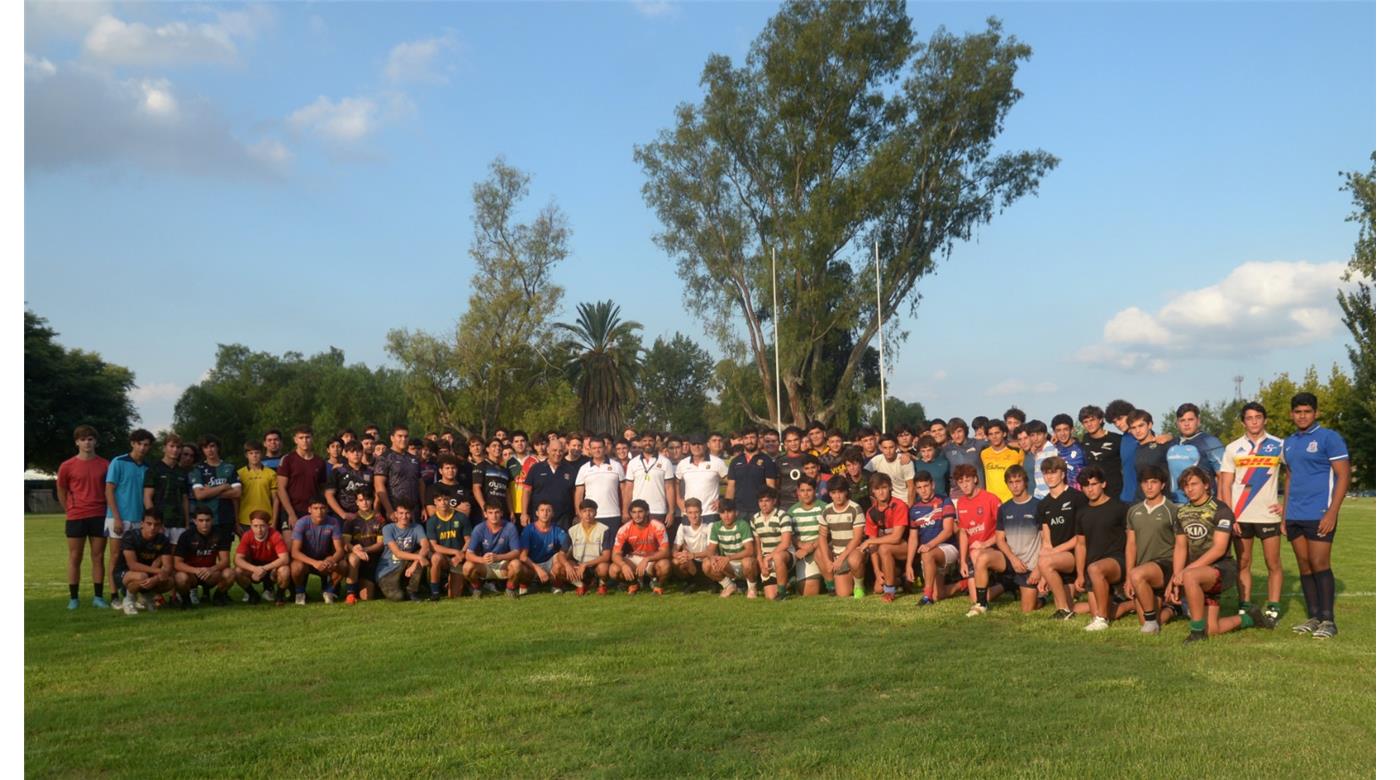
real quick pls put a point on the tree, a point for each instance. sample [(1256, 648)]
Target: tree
[(65, 388), (1358, 425), (899, 413), (247, 392), (1277, 396), (492, 368), (815, 149), (602, 363), (672, 389)]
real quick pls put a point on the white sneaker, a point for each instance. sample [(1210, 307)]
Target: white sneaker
[(118, 604), (1097, 624), (301, 599), (247, 597), (268, 597), (328, 597), (194, 597), (1150, 627), (129, 605), (977, 609), (556, 591), (149, 602)]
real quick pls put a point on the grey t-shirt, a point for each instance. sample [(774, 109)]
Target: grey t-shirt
[(408, 539), (1022, 529)]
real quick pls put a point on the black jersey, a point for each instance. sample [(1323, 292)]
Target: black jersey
[(1106, 453), (1105, 530), (1061, 515)]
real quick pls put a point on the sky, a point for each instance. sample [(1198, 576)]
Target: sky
[(298, 176)]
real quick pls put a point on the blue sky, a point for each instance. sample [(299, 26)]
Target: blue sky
[(295, 176)]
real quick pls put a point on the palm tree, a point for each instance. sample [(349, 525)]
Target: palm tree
[(602, 363)]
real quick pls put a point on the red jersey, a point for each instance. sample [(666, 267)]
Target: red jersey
[(977, 516), (306, 477), (894, 515), (643, 539), (259, 553), (85, 482)]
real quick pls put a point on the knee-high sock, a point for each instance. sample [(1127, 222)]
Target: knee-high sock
[(1326, 593), (1309, 583)]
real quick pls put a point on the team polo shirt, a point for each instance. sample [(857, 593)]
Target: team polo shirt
[(483, 540), (264, 552), (1061, 514), (317, 541), (750, 474), (702, 480), (259, 492), (1154, 531), (936, 468), (85, 482), (900, 474), (540, 546), (927, 517), (306, 478), (602, 483), (129, 480), (1309, 455), (1253, 467), (994, 465), (588, 544), (170, 492), (806, 522), (977, 515), (148, 551), (1200, 449), (731, 539), (841, 524), (878, 521), (649, 477), (1019, 521), (450, 531), (1074, 458), (1106, 453), (769, 529), (645, 538), (553, 485), (197, 549), (1199, 522), (1105, 529)]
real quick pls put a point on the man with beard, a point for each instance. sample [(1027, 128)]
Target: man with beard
[(750, 472)]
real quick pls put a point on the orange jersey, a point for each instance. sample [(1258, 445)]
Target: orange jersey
[(645, 539)]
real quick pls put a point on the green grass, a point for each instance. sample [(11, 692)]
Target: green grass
[(639, 686)]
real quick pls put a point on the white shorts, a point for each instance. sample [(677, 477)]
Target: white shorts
[(636, 560), (950, 557), (806, 568), (736, 569), (107, 528), (497, 570), (173, 534)]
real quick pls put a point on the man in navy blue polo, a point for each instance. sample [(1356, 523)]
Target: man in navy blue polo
[(551, 482), (1319, 473), (749, 472)]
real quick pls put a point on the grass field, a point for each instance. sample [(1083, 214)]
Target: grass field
[(688, 685)]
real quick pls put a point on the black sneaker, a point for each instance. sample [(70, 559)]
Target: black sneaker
[(434, 597), (1062, 614), (414, 597), (1257, 615), (688, 588), (1195, 636), (1308, 626), (183, 601), (1325, 630), (220, 599)]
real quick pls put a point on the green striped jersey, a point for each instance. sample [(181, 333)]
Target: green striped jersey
[(806, 521), (841, 524), (769, 529), (731, 539)]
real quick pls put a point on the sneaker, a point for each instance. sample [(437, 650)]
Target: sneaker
[(194, 598), (99, 602), (927, 600), (602, 589), (278, 600), (247, 597), (476, 593), (435, 596), (729, 590), (1272, 614), (301, 599), (581, 590), (1195, 636), (1062, 614), (1325, 630), (1097, 624), (753, 593), (633, 588), (491, 587), (1308, 626), (328, 597), (350, 598), (1150, 627), (657, 590), (513, 593), (977, 610), (72, 603), (220, 599), (887, 597), (1257, 615), (271, 597), (129, 606), (149, 601), (117, 603), (858, 593), (556, 590)]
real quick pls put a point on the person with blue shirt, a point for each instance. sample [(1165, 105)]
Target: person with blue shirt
[(493, 551), (1117, 412), (1067, 447), (546, 550), (126, 499), (1192, 447), (1319, 473), (405, 557)]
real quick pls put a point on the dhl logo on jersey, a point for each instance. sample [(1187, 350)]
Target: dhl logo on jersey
[(1257, 461)]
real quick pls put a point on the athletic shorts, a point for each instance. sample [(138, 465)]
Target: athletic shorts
[(1122, 569), (110, 534), (85, 527), (366, 570), (1168, 569), (1227, 572), (548, 566), (1260, 530), (950, 556), (1307, 530), (1009, 579), (735, 569), (806, 568), (772, 555), (497, 570)]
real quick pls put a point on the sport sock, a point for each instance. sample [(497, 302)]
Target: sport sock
[(73, 590), (1326, 593), (830, 584), (1198, 625), (1273, 606), (301, 590), (889, 589), (727, 582), (1149, 617), (97, 589), (435, 588), (1246, 621), (982, 596), (1309, 583)]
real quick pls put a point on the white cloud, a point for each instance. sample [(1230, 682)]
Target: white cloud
[(80, 116), (940, 375), (66, 20), (1257, 307), (157, 391), (418, 60), (343, 124), (115, 42), (653, 9), (1019, 386), (38, 67)]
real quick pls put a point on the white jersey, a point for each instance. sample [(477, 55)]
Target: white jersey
[(586, 545), (603, 484), (702, 481), (900, 474), (649, 478), (692, 540), (1255, 485)]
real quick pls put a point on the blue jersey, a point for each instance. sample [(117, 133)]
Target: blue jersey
[(543, 545), (1200, 449), (1074, 458), (1309, 455), (1128, 452), (129, 480), (927, 518), (484, 540)]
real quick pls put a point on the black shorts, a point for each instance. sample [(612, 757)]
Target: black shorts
[(1168, 569), (1122, 568), (1227, 572), (1308, 530), (1010, 579), (85, 527), (1260, 530)]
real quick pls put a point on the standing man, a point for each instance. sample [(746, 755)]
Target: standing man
[(960, 450), (600, 479), (398, 478), (750, 472), (214, 484), (1319, 473), (349, 480), (1069, 450), (700, 477), (551, 482), (997, 458), (1102, 448), (1248, 484), (1193, 447), (167, 489), (259, 488), (82, 490), (491, 478), (1118, 411), (1038, 451), (301, 477), (1148, 451), (899, 469), (125, 491), (651, 479), (789, 465)]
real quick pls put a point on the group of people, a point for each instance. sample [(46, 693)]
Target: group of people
[(1106, 524)]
